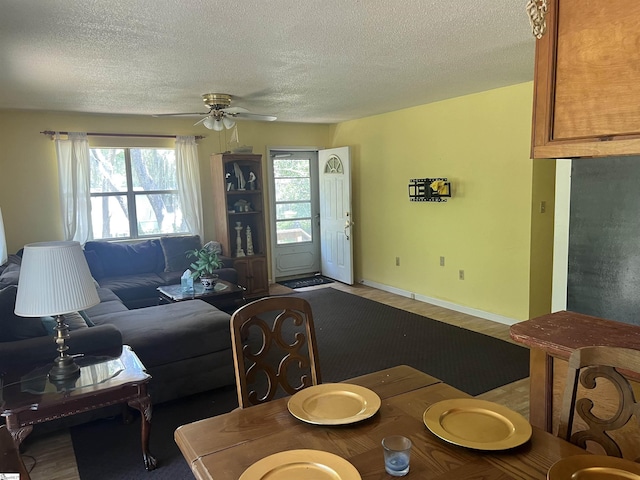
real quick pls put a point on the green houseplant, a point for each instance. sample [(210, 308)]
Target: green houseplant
[(206, 262)]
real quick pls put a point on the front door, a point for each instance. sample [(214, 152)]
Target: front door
[(294, 212), (335, 214)]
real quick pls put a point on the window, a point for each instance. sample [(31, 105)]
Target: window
[(134, 193), (293, 200)]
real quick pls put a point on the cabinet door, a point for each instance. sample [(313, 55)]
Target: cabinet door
[(587, 80), (253, 275), (259, 276)]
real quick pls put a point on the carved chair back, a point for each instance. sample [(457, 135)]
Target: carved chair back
[(285, 358), (586, 365)]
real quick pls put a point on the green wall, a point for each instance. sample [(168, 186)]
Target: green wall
[(491, 228)]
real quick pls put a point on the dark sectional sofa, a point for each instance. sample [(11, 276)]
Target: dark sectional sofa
[(134, 271), (185, 346)]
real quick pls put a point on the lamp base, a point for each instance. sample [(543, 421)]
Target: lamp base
[(64, 368)]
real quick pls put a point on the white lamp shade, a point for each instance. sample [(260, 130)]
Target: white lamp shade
[(4, 254), (228, 123), (213, 123), (54, 279)]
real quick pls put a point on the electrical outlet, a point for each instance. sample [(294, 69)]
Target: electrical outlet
[(397, 261), (461, 274), (442, 261)]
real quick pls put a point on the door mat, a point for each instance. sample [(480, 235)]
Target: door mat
[(306, 282)]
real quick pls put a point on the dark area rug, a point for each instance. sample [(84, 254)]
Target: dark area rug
[(306, 282), (355, 336)]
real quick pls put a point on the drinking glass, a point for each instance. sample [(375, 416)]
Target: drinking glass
[(397, 451)]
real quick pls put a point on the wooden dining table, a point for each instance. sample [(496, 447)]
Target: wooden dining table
[(223, 447)]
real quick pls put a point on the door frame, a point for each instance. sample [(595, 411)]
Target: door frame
[(272, 202)]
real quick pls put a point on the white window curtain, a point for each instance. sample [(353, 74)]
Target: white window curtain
[(3, 243), (73, 179), (188, 173)]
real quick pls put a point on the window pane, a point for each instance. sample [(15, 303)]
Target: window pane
[(290, 168), (110, 217), (153, 169), (107, 170), (159, 213), (285, 211), (292, 189), (293, 231)]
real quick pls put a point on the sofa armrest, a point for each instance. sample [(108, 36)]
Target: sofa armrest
[(99, 340), (228, 274)]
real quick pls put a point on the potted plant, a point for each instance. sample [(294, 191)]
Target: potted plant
[(206, 262)]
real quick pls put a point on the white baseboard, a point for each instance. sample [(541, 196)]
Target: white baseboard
[(442, 303)]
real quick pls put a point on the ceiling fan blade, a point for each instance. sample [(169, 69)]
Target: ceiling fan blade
[(255, 116), (235, 110), (179, 114), (200, 121)]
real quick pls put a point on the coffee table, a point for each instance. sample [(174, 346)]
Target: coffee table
[(225, 295), (30, 398)]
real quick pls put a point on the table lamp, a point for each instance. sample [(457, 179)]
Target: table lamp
[(54, 280)]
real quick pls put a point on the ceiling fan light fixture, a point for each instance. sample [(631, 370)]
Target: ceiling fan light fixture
[(213, 123), (228, 123)]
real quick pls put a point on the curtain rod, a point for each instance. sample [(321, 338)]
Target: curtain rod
[(141, 135)]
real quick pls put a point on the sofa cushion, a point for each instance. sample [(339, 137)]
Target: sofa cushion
[(133, 287), (124, 258), (104, 308), (189, 329), (170, 278), (10, 275), (12, 326), (95, 265), (175, 251), (74, 321)]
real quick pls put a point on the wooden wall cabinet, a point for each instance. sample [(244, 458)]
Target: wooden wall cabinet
[(587, 80), (237, 205)]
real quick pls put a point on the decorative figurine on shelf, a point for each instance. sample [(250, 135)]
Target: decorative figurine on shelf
[(239, 251), (239, 176), (249, 242), (229, 182), (241, 206), (252, 181)]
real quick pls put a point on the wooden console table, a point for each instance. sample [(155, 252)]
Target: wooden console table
[(27, 399), (551, 339)]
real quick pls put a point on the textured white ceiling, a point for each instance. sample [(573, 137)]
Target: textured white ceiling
[(302, 60)]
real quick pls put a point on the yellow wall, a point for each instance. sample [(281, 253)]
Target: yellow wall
[(481, 143), (28, 170), (491, 228)]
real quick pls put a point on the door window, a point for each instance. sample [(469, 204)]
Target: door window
[(293, 200)]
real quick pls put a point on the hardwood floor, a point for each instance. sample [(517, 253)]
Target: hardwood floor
[(51, 457)]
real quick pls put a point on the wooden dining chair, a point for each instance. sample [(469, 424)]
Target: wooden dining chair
[(586, 365), (274, 349)]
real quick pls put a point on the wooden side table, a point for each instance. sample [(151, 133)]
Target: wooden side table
[(30, 399)]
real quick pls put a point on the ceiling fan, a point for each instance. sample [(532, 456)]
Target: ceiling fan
[(221, 114)]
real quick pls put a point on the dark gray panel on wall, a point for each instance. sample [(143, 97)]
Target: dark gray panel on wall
[(604, 238)]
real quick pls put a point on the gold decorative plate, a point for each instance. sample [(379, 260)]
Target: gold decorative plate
[(477, 424), (334, 404), (594, 467), (301, 464)]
